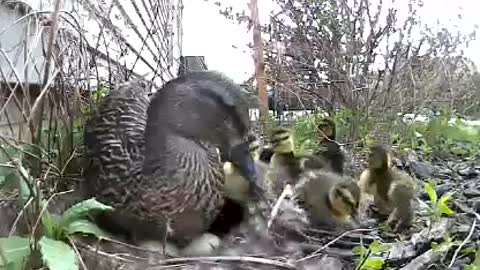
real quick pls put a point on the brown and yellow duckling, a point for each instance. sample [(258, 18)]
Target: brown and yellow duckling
[(286, 166), (331, 200), (329, 149), (393, 190)]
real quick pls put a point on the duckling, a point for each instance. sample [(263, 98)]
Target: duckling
[(330, 199), (285, 166), (236, 187), (157, 162), (393, 190), (237, 193), (330, 150)]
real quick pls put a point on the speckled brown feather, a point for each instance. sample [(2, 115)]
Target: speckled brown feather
[(164, 167)]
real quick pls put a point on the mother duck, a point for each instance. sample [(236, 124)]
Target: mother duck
[(158, 162)]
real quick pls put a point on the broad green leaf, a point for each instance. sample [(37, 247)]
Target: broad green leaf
[(372, 263), (82, 209), (374, 245), (86, 227), (57, 255), (15, 249), (359, 250), (432, 194)]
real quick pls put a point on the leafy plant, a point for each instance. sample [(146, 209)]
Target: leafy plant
[(305, 133), (439, 136), (438, 206), (443, 246), (54, 252), (369, 257)]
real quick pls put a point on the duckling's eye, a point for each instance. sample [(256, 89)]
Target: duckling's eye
[(350, 204)]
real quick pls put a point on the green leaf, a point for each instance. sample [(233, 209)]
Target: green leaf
[(51, 224), (15, 249), (459, 151), (444, 209), (359, 250), (374, 245), (442, 247), (442, 205), (476, 262), (383, 248), (445, 198), (373, 263), (432, 194), (57, 255), (475, 265), (468, 250), (86, 227), (82, 209)]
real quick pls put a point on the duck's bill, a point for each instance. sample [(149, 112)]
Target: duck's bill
[(355, 216), (240, 156)]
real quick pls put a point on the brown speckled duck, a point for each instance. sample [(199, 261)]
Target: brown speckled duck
[(158, 162)]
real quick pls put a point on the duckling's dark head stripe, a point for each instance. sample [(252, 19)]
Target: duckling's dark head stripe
[(346, 197), (277, 139), (279, 131)]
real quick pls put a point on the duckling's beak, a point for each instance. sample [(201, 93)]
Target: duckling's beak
[(240, 156)]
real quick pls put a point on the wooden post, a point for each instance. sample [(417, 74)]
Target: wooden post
[(259, 64)]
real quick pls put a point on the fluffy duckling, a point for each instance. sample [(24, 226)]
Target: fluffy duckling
[(329, 198), (285, 166), (236, 187), (393, 190), (329, 148)]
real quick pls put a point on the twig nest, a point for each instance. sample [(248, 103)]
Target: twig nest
[(290, 218), (157, 248), (324, 263)]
